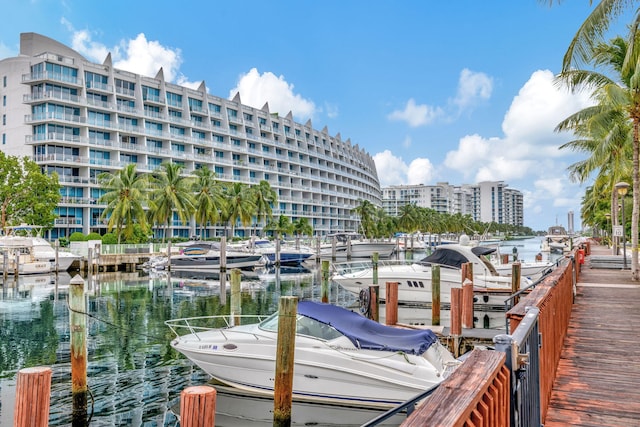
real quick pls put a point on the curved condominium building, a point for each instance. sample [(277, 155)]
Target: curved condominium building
[(79, 118)]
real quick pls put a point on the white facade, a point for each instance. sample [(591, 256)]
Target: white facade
[(485, 201), (79, 119)]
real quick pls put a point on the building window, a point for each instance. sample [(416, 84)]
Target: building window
[(174, 99), (4, 100), (4, 81), (4, 138), (4, 119)]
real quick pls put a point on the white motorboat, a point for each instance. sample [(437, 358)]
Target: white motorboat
[(288, 255), (556, 241), (414, 279), (18, 250), (42, 249), (340, 356), (354, 245), (208, 256)]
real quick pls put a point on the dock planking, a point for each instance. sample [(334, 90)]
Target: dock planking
[(598, 376)]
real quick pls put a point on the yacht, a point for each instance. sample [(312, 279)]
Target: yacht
[(41, 249)]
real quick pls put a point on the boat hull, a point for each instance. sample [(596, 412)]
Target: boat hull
[(321, 373), (414, 283), (212, 261)]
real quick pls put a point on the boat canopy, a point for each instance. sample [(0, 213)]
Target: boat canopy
[(453, 258), (367, 334)]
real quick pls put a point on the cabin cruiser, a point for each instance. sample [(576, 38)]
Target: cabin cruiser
[(414, 279), (340, 356), (17, 257), (354, 245), (556, 241), (209, 256), (41, 249), (288, 254)]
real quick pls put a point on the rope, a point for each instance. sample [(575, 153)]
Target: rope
[(131, 331)]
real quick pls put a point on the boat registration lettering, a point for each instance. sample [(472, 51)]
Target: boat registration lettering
[(208, 347)]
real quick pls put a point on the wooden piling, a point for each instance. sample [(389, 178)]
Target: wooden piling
[(456, 319), (467, 271), (5, 266), (223, 254), (56, 264), (374, 262), (334, 242), (391, 303), (435, 295), (515, 279), (277, 256), (349, 248), (169, 255), (283, 388), (374, 303), (33, 392), (467, 304), (198, 406), (236, 296), (78, 323), (324, 287)]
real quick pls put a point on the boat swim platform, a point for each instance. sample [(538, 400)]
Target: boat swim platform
[(598, 376)]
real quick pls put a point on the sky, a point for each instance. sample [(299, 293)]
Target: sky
[(456, 91)]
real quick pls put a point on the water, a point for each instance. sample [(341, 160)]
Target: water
[(134, 376)]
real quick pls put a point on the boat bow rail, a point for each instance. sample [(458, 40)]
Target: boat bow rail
[(195, 325), (353, 267)]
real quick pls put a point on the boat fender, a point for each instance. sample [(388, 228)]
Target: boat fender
[(364, 301)]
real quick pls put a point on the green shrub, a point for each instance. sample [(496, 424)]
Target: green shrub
[(109, 239), (77, 237), (94, 236)]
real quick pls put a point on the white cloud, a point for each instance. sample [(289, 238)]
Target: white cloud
[(331, 110), (420, 171), (407, 142), (529, 146), (147, 56), (471, 87), (138, 55), (416, 115), (256, 89), (392, 170)]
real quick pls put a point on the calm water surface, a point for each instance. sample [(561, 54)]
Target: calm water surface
[(133, 374)]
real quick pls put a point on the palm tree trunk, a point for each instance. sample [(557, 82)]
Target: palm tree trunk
[(635, 275)]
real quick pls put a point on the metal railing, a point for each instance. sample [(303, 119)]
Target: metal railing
[(523, 360)]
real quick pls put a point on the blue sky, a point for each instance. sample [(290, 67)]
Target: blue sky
[(457, 91)]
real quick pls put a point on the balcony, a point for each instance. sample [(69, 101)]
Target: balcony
[(97, 86), (55, 95), (52, 116), (46, 75)]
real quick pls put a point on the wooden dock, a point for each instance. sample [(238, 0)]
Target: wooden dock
[(598, 377)]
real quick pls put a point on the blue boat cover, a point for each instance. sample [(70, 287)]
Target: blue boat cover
[(368, 334)]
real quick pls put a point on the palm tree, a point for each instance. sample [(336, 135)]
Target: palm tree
[(125, 195), (170, 192), (209, 202), (240, 205), (409, 218), (366, 210), (302, 227), (581, 51), (609, 123), (281, 227), (264, 197)]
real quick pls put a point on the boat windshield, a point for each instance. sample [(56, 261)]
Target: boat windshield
[(304, 326)]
